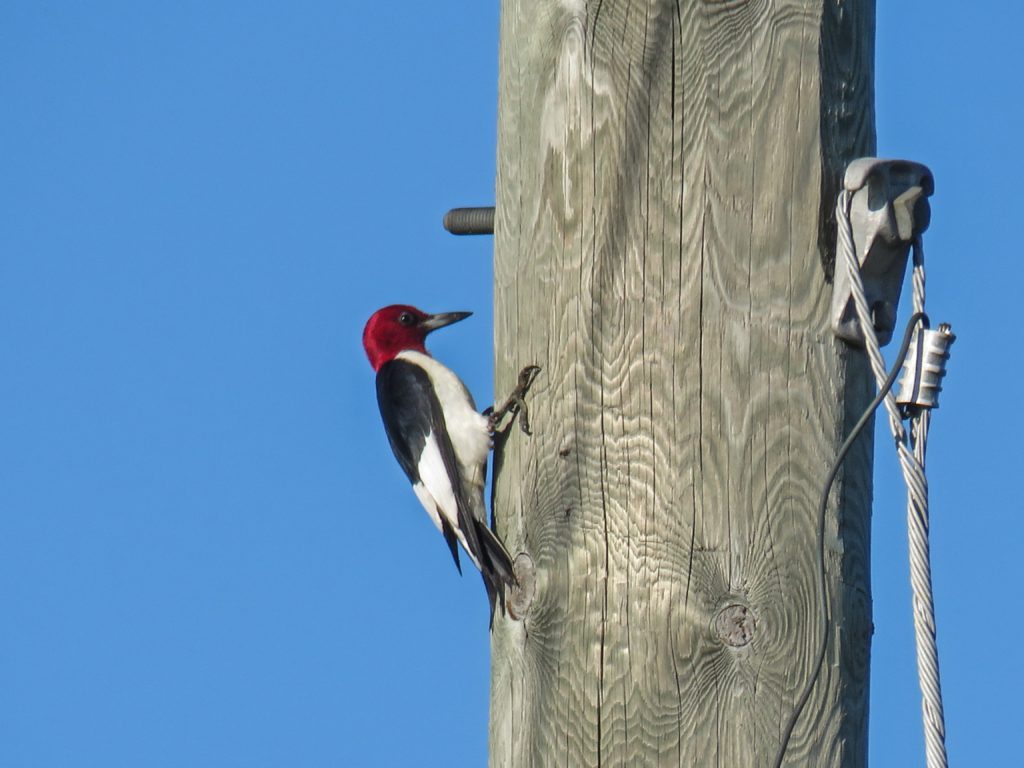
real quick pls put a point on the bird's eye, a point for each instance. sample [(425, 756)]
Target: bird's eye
[(406, 319)]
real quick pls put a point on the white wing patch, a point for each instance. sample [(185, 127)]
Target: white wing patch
[(428, 504), (435, 491)]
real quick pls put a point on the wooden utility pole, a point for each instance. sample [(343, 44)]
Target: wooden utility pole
[(664, 247)]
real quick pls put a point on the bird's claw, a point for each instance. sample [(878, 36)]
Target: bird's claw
[(516, 402), (491, 420)]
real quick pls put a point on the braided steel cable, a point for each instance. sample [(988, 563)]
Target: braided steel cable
[(911, 451)]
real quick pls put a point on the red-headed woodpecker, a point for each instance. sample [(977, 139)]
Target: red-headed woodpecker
[(438, 436)]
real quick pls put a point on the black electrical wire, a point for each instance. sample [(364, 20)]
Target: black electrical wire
[(844, 449)]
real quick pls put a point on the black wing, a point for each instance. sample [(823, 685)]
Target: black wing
[(411, 412)]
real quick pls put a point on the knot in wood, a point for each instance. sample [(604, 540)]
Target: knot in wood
[(520, 597), (735, 625)]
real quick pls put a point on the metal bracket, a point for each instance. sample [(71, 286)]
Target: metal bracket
[(889, 208)]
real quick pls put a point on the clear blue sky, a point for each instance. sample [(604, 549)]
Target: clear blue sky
[(207, 554)]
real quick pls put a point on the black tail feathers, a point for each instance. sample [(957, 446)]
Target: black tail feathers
[(495, 568)]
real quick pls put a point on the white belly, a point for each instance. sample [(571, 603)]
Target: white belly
[(467, 428)]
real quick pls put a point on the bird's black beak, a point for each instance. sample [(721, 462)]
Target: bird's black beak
[(433, 322)]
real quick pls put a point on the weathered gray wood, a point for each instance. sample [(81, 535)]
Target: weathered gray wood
[(666, 174)]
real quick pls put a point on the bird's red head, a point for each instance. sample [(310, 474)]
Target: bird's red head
[(399, 328)]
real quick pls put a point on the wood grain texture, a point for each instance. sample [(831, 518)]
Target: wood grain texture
[(662, 250)]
